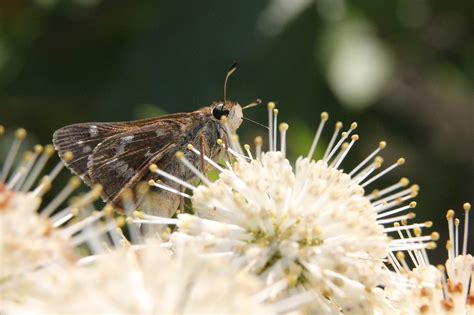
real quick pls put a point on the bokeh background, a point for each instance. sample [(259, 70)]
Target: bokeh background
[(403, 69)]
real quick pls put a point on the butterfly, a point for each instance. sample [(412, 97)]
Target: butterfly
[(117, 155)]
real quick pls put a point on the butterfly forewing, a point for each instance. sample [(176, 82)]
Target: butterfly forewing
[(81, 140)]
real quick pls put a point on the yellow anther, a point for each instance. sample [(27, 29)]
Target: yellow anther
[(38, 148), (449, 244), (382, 145), (338, 125), (153, 168), (275, 112), (400, 256), (344, 134), (271, 105), (246, 147), (344, 145), (68, 156), (119, 223), (74, 182), (417, 231), (49, 150), (324, 116), (378, 159), (258, 140), (415, 187), (413, 204), (456, 222), (20, 134), (401, 161), (450, 214), (138, 214), (75, 211), (429, 224), (179, 155), (404, 181), (97, 190), (466, 206), (431, 245), (190, 146), (355, 137), (353, 125), (151, 182), (220, 142), (396, 224), (435, 236), (411, 215), (108, 210), (129, 220), (283, 127)]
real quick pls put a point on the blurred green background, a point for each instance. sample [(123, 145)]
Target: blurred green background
[(404, 70)]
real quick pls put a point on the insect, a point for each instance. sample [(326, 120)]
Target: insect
[(117, 155)]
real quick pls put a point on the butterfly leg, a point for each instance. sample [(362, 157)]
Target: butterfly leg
[(181, 200), (202, 149)]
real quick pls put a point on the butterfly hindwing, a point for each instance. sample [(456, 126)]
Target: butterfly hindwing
[(121, 161)]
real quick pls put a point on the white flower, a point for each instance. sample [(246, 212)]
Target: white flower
[(311, 230), (27, 241), (431, 289), (148, 280)]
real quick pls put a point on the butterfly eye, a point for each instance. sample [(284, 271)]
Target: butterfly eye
[(219, 111)]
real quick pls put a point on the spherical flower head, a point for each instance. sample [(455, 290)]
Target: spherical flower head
[(305, 228)]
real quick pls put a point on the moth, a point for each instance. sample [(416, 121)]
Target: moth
[(118, 155)]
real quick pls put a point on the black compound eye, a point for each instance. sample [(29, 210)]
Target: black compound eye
[(219, 111)]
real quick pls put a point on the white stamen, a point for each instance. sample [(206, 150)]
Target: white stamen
[(399, 162), (467, 208), (73, 184), (381, 146), (324, 118), (346, 151), (20, 135), (283, 128), (182, 159), (378, 194), (168, 188), (275, 115), (344, 136), (154, 169), (270, 108), (337, 128), (47, 153)]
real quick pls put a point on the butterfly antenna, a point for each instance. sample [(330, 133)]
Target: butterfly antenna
[(229, 73), (253, 121), (253, 104)]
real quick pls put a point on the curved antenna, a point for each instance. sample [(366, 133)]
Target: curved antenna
[(229, 73)]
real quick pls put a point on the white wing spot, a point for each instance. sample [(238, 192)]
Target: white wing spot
[(159, 133), (123, 142), (86, 149), (93, 131)]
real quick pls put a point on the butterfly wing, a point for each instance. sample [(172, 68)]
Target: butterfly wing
[(81, 140), (121, 161)]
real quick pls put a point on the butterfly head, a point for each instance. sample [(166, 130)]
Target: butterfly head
[(232, 110)]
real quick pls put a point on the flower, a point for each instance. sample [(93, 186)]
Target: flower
[(444, 289), (147, 280), (308, 230), (34, 237)]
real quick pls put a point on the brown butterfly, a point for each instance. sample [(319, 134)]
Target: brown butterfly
[(118, 155)]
